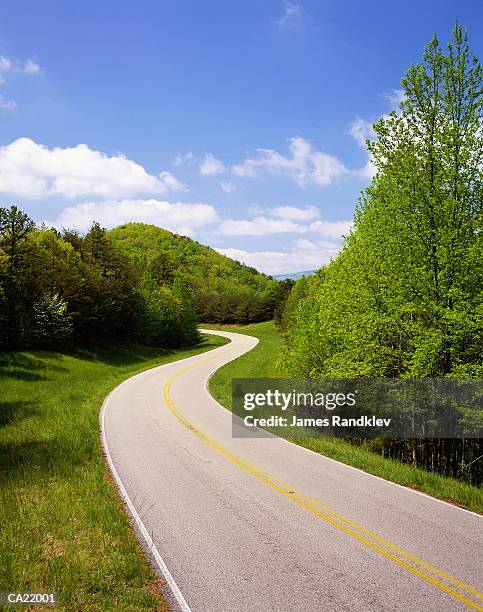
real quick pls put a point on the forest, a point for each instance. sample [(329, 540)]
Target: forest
[(224, 290), (403, 298), (137, 283)]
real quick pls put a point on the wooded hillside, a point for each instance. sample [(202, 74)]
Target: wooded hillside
[(137, 283), (224, 290)]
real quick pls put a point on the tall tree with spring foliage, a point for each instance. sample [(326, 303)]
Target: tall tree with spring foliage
[(404, 296), (428, 196), (14, 230)]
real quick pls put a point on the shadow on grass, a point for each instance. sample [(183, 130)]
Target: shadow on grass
[(29, 366), (22, 375), (131, 354), (15, 411), (123, 355), (36, 458)]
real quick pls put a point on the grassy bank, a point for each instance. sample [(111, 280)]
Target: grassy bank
[(261, 362), (63, 526)]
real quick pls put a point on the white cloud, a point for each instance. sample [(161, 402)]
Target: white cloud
[(31, 67), (227, 186), (395, 97), (282, 262), (331, 229), (305, 165), (8, 105), (361, 130), (291, 17), (305, 245), (28, 67), (212, 165), (184, 159), (178, 217), (284, 219), (5, 63), (32, 170), (368, 171), (259, 226), (296, 214), (10, 65)]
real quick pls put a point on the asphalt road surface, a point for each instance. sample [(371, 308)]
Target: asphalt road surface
[(262, 524)]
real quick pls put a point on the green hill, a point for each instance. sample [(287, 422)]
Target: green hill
[(224, 290)]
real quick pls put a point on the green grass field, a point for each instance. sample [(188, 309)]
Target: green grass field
[(63, 527), (261, 362)]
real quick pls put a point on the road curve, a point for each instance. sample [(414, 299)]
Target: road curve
[(262, 524)]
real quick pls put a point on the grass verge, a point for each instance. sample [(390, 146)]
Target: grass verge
[(261, 363), (257, 363), (63, 527)]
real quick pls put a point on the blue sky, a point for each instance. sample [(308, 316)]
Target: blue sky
[(239, 123)]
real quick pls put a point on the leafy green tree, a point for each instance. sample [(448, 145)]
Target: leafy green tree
[(404, 298), (280, 296), (428, 194), (159, 323), (56, 285), (108, 305), (297, 293), (188, 329), (14, 230), (163, 268), (52, 324)]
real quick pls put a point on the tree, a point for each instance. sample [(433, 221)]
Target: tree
[(431, 156), (52, 324), (188, 329), (403, 298), (14, 229), (298, 292), (108, 304), (163, 268), (160, 319), (280, 296), (84, 288)]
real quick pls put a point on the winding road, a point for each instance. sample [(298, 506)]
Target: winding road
[(261, 524)]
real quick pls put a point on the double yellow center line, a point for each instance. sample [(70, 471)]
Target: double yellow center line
[(434, 576)]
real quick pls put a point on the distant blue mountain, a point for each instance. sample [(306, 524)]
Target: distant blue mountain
[(295, 275)]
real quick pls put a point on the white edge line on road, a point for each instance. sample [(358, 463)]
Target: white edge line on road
[(351, 467), (137, 519), (405, 488)]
